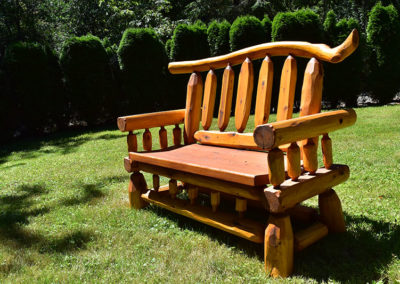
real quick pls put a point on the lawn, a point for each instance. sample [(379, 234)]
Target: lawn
[(64, 216)]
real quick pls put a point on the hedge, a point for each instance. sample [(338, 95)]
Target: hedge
[(304, 25), (190, 42), (267, 25), (246, 31), (143, 60), (32, 89), (218, 37), (383, 34), (343, 80)]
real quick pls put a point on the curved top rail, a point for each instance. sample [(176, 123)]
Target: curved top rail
[(282, 48)]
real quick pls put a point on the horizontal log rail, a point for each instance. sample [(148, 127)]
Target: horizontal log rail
[(227, 139), (149, 120), (283, 48), (272, 135)]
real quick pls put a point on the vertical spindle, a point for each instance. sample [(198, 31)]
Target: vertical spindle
[(131, 139), (173, 188), (293, 161), (156, 182), (276, 167), (310, 156), (147, 140), (162, 134), (177, 133), (327, 156), (215, 200)]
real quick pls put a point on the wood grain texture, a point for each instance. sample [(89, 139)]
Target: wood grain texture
[(295, 48), (291, 192), (244, 94), (227, 139), (271, 135), (264, 91), (177, 134), (303, 214), (311, 93), (147, 140), (309, 236), (230, 188), (194, 95), (228, 222), (173, 188), (156, 182), (210, 92), (225, 104), (150, 120), (137, 186), (287, 89), (131, 140), (215, 199), (310, 156), (279, 246), (239, 166), (331, 213), (293, 161), (163, 138)]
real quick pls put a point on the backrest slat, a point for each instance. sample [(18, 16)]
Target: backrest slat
[(193, 107), (244, 94), (311, 93), (210, 91), (225, 104), (264, 91), (287, 89)]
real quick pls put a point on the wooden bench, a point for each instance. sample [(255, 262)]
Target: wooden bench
[(271, 170)]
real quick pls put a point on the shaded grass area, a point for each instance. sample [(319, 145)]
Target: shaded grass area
[(64, 216)]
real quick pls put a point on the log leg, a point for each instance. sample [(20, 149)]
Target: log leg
[(331, 212), (137, 186), (278, 246)]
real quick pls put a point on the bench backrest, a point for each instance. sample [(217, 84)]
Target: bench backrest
[(200, 100)]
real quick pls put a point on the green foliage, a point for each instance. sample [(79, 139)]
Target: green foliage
[(246, 31), (383, 34), (33, 89), (267, 25), (190, 42), (343, 80), (304, 25), (218, 37), (143, 59), (168, 47), (88, 77), (260, 8)]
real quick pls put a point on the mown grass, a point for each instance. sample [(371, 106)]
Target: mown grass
[(64, 217)]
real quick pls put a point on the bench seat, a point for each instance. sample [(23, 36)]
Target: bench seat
[(234, 165)]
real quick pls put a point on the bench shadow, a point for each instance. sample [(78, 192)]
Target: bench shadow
[(18, 210), (355, 256)]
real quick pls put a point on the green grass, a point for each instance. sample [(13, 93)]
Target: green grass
[(64, 217)]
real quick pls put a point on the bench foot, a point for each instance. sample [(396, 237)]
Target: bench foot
[(331, 211), (278, 246), (137, 186)]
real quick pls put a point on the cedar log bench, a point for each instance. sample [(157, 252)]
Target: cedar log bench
[(272, 169)]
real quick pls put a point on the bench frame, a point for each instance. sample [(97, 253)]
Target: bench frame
[(292, 139)]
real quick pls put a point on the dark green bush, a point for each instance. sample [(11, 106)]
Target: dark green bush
[(143, 61), (304, 25), (190, 42), (267, 25), (246, 31), (168, 47), (383, 34), (88, 77), (32, 90), (330, 28), (343, 80), (218, 37)]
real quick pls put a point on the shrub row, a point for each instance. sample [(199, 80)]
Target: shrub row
[(91, 83)]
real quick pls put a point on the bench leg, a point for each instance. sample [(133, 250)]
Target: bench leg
[(137, 186), (278, 246), (331, 211)]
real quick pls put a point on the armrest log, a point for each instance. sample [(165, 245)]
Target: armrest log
[(149, 120), (272, 135)]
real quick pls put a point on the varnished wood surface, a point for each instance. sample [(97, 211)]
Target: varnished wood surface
[(227, 139), (210, 92), (309, 236), (149, 120), (193, 107), (331, 211), (268, 136), (283, 48), (225, 104), (240, 166), (244, 228), (287, 89), (264, 91), (291, 192), (244, 94)]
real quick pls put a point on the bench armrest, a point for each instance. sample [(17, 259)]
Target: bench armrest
[(272, 135), (149, 120)]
